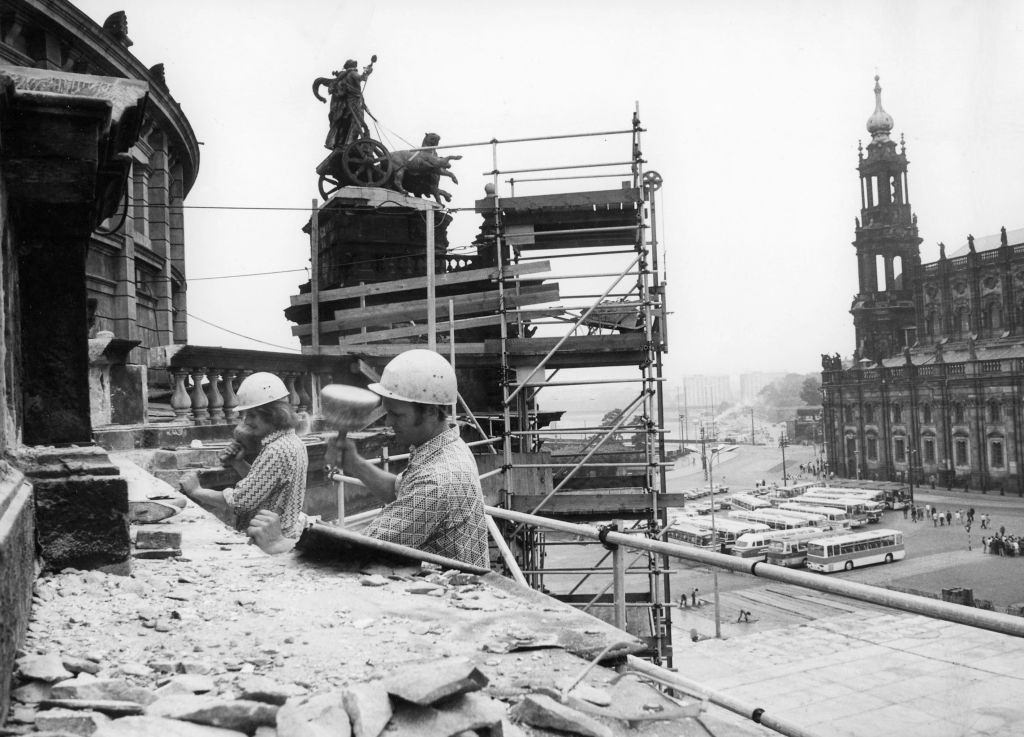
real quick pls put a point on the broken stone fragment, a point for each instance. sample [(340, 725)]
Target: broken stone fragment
[(159, 727), (79, 665), (544, 712), (321, 715), (468, 712), (195, 682), (68, 720), (428, 683), (368, 707), (109, 707), (424, 588), (47, 667), (374, 580), (172, 688), (157, 539), (261, 688), (32, 692), (103, 689), (244, 716)]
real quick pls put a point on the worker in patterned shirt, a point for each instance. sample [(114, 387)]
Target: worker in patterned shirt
[(436, 503), (277, 478)]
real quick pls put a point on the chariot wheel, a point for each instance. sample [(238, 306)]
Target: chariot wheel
[(329, 184), (365, 162)]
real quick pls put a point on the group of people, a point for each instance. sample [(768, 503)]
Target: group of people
[(1002, 544), (436, 504), (946, 517)]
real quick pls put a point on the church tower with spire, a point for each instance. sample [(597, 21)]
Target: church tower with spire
[(887, 245)]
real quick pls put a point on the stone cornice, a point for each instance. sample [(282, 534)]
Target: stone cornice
[(113, 59)]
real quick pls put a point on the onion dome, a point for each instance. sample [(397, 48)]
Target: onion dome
[(880, 122)]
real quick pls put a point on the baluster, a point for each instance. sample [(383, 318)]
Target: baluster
[(200, 415), (289, 382), (180, 402), (230, 398), (213, 396), (305, 401)]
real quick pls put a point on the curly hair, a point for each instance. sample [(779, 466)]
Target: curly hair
[(279, 414)]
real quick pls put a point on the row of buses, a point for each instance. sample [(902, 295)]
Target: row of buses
[(814, 527)]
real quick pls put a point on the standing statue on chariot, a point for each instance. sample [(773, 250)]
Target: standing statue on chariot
[(346, 115), (358, 160)]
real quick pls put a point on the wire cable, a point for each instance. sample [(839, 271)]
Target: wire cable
[(240, 335)]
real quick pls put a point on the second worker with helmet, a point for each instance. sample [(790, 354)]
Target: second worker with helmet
[(436, 503)]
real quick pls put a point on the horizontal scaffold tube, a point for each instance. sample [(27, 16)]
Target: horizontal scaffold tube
[(1003, 623)]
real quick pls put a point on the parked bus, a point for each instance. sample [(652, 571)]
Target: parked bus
[(814, 518), (791, 550), (773, 518), (837, 518), (892, 494), (755, 544), (729, 529), (685, 532), (872, 510), (854, 550), (856, 509), (749, 502)]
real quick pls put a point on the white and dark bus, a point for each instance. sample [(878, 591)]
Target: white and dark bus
[(854, 550)]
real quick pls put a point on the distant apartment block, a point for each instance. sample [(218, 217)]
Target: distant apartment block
[(702, 392), (751, 384)]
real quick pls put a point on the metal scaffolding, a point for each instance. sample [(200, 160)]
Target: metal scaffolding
[(637, 291)]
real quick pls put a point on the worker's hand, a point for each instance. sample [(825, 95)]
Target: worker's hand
[(188, 483), (342, 453), (265, 531)]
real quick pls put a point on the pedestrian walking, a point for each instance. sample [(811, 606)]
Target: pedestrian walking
[(693, 595), (949, 518), (931, 479), (957, 516), (970, 516), (935, 518)]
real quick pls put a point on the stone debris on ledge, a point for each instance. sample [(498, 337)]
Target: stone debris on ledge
[(224, 640)]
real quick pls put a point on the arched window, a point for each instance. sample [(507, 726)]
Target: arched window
[(926, 413), (995, 411), (963, 321), (897, 413), (995, 317), (958, 412)]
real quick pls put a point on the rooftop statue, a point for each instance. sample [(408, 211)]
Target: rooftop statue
[(346, 115)]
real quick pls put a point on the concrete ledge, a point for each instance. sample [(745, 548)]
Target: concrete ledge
[(17, 562)]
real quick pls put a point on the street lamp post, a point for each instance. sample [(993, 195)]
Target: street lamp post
[(782, 444), (714, 542)]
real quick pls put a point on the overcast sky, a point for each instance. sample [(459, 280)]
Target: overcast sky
[(753, 111)]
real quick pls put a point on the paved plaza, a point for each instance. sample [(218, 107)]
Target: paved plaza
[(867, 671)]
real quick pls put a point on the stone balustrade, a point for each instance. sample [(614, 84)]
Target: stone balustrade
[(205, 379)]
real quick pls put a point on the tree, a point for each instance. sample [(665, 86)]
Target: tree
[(809, 391)]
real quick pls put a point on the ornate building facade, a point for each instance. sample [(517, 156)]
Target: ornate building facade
[(936, 388), (136, 260)]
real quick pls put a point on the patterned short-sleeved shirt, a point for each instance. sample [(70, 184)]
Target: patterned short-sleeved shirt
[(276, 481), (439, 506)]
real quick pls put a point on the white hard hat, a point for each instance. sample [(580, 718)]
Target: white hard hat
[(259, 389), (420, 376)]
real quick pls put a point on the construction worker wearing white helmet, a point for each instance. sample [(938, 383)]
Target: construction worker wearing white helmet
[(277, 478), (436, 503)]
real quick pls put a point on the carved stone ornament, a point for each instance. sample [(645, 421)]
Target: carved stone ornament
[(931, 290), (960, 287), (990, 282), (120, 93)]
